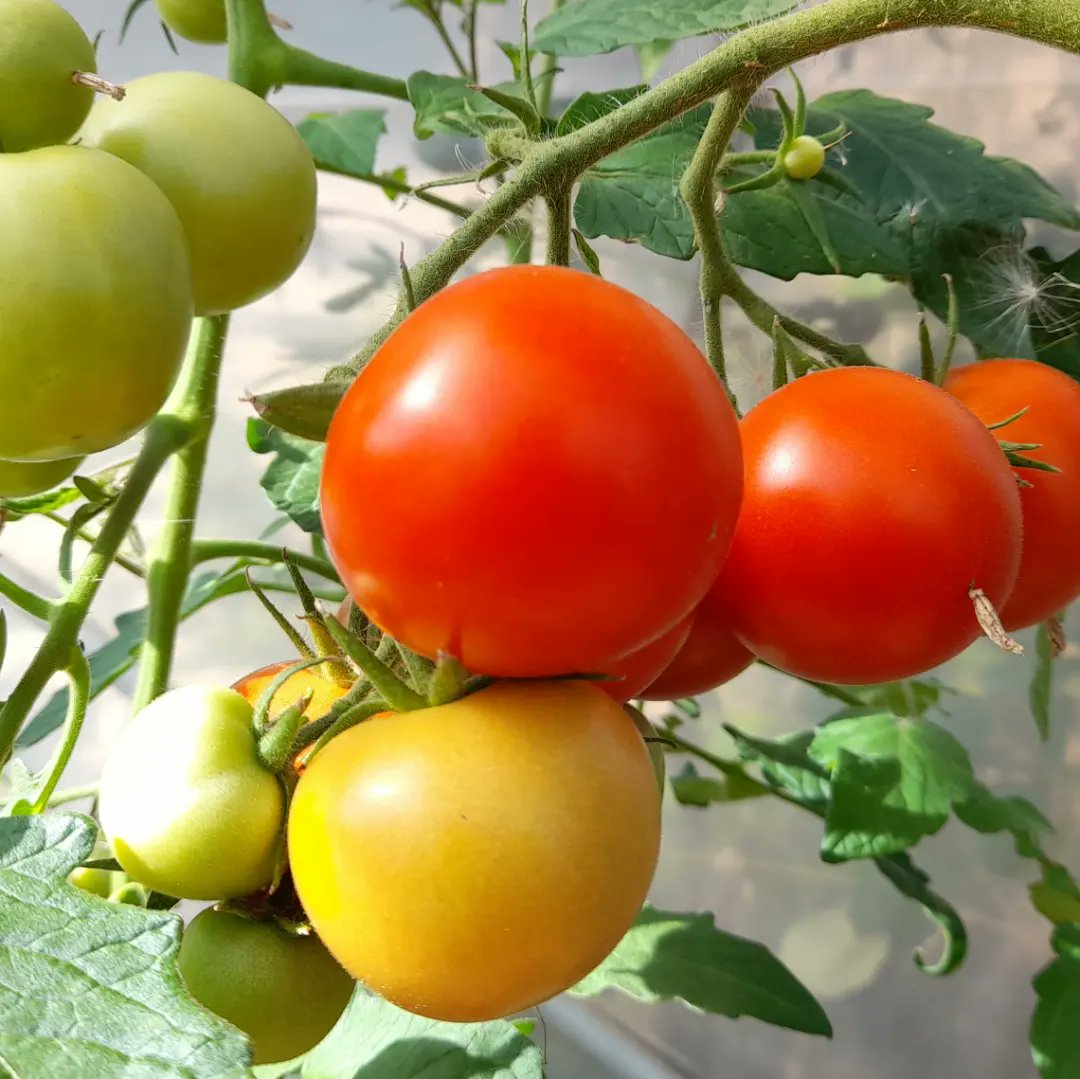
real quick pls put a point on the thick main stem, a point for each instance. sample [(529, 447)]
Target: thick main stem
[(194, 404), (755, 53), (558, 228)]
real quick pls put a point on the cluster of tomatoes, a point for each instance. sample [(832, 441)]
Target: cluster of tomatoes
[(177, 195)]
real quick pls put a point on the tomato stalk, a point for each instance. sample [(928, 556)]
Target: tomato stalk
[(261, 61), (193, 404), (559, 222)]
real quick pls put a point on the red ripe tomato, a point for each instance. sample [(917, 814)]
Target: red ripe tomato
[(632, 673), (1050, 562), (538, 473), (710, 656), (873, 502)]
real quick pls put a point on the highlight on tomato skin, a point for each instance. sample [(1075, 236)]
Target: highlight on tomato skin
[(874, 501), (469, 861), (994, 390), (510, 432), (710, 656)]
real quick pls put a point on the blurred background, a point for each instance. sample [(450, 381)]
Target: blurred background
[(842, 930)]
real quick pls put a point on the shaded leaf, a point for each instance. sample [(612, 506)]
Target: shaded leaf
[(304, 411), (693, 789), (377, 1040), (591, 106), (1041, 682), (90, 988), (1055, 1032), (587, 27), (667, 956), (445, 103), (633, 195), (291, 481), (344, 141), (785, 765)]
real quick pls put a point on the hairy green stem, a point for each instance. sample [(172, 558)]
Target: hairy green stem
[(261, 61), (699, 193), (206, 550), (545, 77), (470, 23), (757, 52), (26, 600), (433, 12), (559, 222), (193, 403), (391, 183)]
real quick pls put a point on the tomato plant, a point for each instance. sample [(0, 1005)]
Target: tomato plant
[(240, 177), (536, 345), (838, 570), (197, 20), (98, 298), (40, 48), (1049, 577), (280, 987), (405, 827), (529, 499), (709, 656), (186, 803)]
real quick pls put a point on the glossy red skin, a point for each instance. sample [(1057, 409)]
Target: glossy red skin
[(537, 473), (710, 656), (1050, 561), (873, 502), (631, 674)]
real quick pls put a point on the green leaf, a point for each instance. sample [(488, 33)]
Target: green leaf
[(376, 1039), (345, 141), (304, 411), (590, 106), (1051, 308), (587, 253), (587, 27), (291, 481), (444, 103), (910, 880), (894, 781), (921, 189), (1056, 897), (1055, 1032), (693, 789), (987, 813), (118, 655), (90, 988), (667, 956), (633, 195), (785, 765), (46, 502)]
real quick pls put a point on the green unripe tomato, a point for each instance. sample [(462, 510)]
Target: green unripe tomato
[(285, 992), (238, 173), (41, 47), (95, 308), (805, 159), (187, 805), (97, 882), (21, 478), (202, 21)]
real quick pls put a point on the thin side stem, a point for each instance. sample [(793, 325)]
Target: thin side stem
[(206, 550), (699, 193), (433, 14), (26, 600), (728, 768), (78, 700), (169, 564), (546, 75), (166, 435), (470, 21), (88, 537)]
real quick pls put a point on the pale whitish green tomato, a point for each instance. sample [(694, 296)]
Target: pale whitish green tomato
[(97, 882), (805, 159), (187, 805), (95, 308), (41, 47), (238, 173), (19, 479), (284, 991), (202, 21)]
